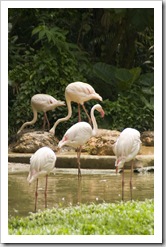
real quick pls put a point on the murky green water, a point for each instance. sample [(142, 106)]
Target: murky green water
[(64, 189)]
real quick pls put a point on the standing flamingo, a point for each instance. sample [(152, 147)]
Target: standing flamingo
[(78, 92), (78, 134), (126, 148), (44, 103), (42, 162)]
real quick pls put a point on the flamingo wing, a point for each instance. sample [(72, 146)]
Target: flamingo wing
[(127, 146), (41, 162), (80, 92), (76, 135)]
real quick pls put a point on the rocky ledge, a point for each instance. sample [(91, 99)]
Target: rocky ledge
[(101, 144)]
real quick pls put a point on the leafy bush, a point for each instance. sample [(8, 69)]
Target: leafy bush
[(50, 48), (44, 71), (132, 103), (129, 218)]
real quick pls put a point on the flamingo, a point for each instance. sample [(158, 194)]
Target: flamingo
[(42, 162), (78, 134), (78, 92), (44, 103), (126, 148)]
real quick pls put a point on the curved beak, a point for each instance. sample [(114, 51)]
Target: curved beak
[(102, 113)]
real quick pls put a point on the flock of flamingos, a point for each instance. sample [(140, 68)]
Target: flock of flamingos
[(43, 160)]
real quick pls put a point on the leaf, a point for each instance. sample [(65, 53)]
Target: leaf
[(123, 75), (105, 72), (136, 73), (41, 34), (37, 30)]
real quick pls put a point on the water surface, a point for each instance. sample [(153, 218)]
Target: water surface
[(65, 189)]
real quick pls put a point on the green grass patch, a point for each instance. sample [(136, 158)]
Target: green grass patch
[(123, 218)]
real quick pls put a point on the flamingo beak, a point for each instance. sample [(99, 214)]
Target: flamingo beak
[(116, 169), (102, 113)]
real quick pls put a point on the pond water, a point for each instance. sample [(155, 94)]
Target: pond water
[(65, 189)]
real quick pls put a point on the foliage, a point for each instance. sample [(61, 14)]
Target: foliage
[(132, 104), (45, 71), (129, 218), (111, 49)]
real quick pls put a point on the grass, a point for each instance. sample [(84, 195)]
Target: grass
[(123, 218)]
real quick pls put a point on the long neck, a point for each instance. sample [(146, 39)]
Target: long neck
[(52, 130), (31, 122), (95, 127)]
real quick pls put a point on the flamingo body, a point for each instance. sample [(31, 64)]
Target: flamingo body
[(78, 134), (81, 92), (42, 162), (42, 103), (78, 92), (126, 148)]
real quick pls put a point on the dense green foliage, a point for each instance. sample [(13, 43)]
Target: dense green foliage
[(129, 218), (111, 49)]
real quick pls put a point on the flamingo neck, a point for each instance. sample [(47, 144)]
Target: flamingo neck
[(52, 130), (31, 122), (95, 127)]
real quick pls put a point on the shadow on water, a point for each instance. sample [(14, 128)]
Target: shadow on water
[(64, 189)]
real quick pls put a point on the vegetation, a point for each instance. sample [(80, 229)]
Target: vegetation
[(129, 218), (111, 49)]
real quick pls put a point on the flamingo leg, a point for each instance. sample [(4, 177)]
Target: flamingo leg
[(90, 121), (36, 194), (123, 184), (45, 193), (79, 191), (131, 187), (78, 161), (79, 114), (46, 120)]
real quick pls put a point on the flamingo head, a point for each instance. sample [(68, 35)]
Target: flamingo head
[(99, 108), (62, 142), (119, 163)]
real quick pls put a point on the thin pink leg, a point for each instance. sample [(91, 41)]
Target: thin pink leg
[(78, 161), (90, 121), (131, 186), (123, 184), (45, 193), (36, 194), (79, 114), (46, 120)]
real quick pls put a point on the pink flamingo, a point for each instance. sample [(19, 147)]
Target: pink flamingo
[(44, 103), (42, 162), (78, 92), (78, 134), (126, 148)]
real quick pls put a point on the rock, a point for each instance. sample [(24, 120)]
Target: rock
[(147, 138), (102, 143), (29, 142)]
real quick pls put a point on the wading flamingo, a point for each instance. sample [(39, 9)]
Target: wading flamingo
[(42, 162), (78, 92), (44, 103), (78, 134), (126, 148)]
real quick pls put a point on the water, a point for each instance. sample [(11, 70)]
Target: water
[(65, 189)]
